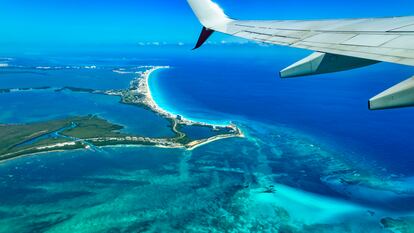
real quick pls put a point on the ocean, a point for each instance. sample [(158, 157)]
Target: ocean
[(314, 158)]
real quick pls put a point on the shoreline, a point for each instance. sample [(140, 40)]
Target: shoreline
[(145, 88), (140, 94), (147, 76)]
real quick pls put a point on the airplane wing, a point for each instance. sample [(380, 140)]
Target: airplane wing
[(338, 44)]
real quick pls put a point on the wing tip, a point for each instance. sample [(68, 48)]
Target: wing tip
[(204, 35)]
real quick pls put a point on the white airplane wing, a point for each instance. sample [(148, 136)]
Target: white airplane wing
[(338, 44)]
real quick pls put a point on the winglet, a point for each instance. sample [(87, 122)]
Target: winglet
[(208, 13), (205, 34)]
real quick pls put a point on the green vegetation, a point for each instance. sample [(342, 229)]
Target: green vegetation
[(93, 127), (76, 89), (63, 134), (13, 135), (83, 132)]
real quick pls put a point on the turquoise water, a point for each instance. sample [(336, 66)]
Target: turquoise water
[(291, 173), (101, 78), (23, 107), (144, 189)]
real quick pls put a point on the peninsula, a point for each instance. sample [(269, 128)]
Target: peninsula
[(88, 132)]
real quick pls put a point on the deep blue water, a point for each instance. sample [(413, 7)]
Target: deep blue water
[(331, 106), (197, 133)]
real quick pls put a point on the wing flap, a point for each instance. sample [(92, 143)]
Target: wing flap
[(408, 28), (369, 40), (330, 38), (402, 42)]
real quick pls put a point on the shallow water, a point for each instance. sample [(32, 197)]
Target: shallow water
[(99, 78), (34, 106), (144, 189)]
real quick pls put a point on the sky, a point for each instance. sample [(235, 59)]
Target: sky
[(45, 23)]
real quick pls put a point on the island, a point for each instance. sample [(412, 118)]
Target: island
[(88, 132)]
